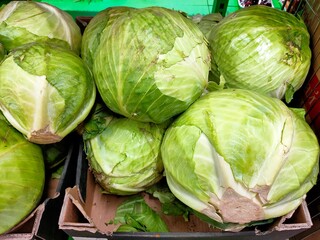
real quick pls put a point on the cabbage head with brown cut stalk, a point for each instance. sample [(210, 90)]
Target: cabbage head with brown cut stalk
[(262, 49), (22, 174), (46, 91), (24, 22), (240, 157), (151, 64)]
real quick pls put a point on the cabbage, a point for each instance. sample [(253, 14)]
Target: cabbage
[(151, 64), (46, 91), (262, 49), (22, 175), (23, 22), (238, 157), (93, 31), (124, 154)]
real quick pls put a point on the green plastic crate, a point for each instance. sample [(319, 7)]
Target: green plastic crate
[(192, 7), (91, 7)]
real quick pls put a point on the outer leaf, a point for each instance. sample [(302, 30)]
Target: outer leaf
[(94, 30), (17, 25)]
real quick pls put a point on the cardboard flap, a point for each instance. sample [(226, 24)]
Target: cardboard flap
[(28, 227), (297, 219), (73, 211)]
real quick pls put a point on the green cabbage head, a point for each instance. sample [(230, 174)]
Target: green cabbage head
[(124, 154), (262, 49), (22, 175), (239, 157), (151, 64), (23, 22), (46, 91)]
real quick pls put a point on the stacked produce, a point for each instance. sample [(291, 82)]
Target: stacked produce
[(197, 102), (46, 92)]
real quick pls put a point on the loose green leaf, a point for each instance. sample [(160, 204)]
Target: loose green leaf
[(136, 214)]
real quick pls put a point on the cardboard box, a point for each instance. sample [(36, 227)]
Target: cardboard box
[(42, 223), (85, 212)]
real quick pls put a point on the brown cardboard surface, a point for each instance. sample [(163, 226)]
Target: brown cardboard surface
[(79, 217)]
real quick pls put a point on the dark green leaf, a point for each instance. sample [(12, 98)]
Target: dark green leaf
[(135, 212)]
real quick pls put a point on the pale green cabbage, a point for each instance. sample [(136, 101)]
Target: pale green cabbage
[(23, 22), (124, 154), (46, 91), (238, 157), (151, 64), (262, 49), (22, 175)]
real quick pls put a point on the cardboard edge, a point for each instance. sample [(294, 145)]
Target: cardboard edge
[(282, 226), (296, 221), (34, 216), (73, 200)]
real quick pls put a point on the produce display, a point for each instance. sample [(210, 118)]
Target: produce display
[(23, 176), (196, 104)]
